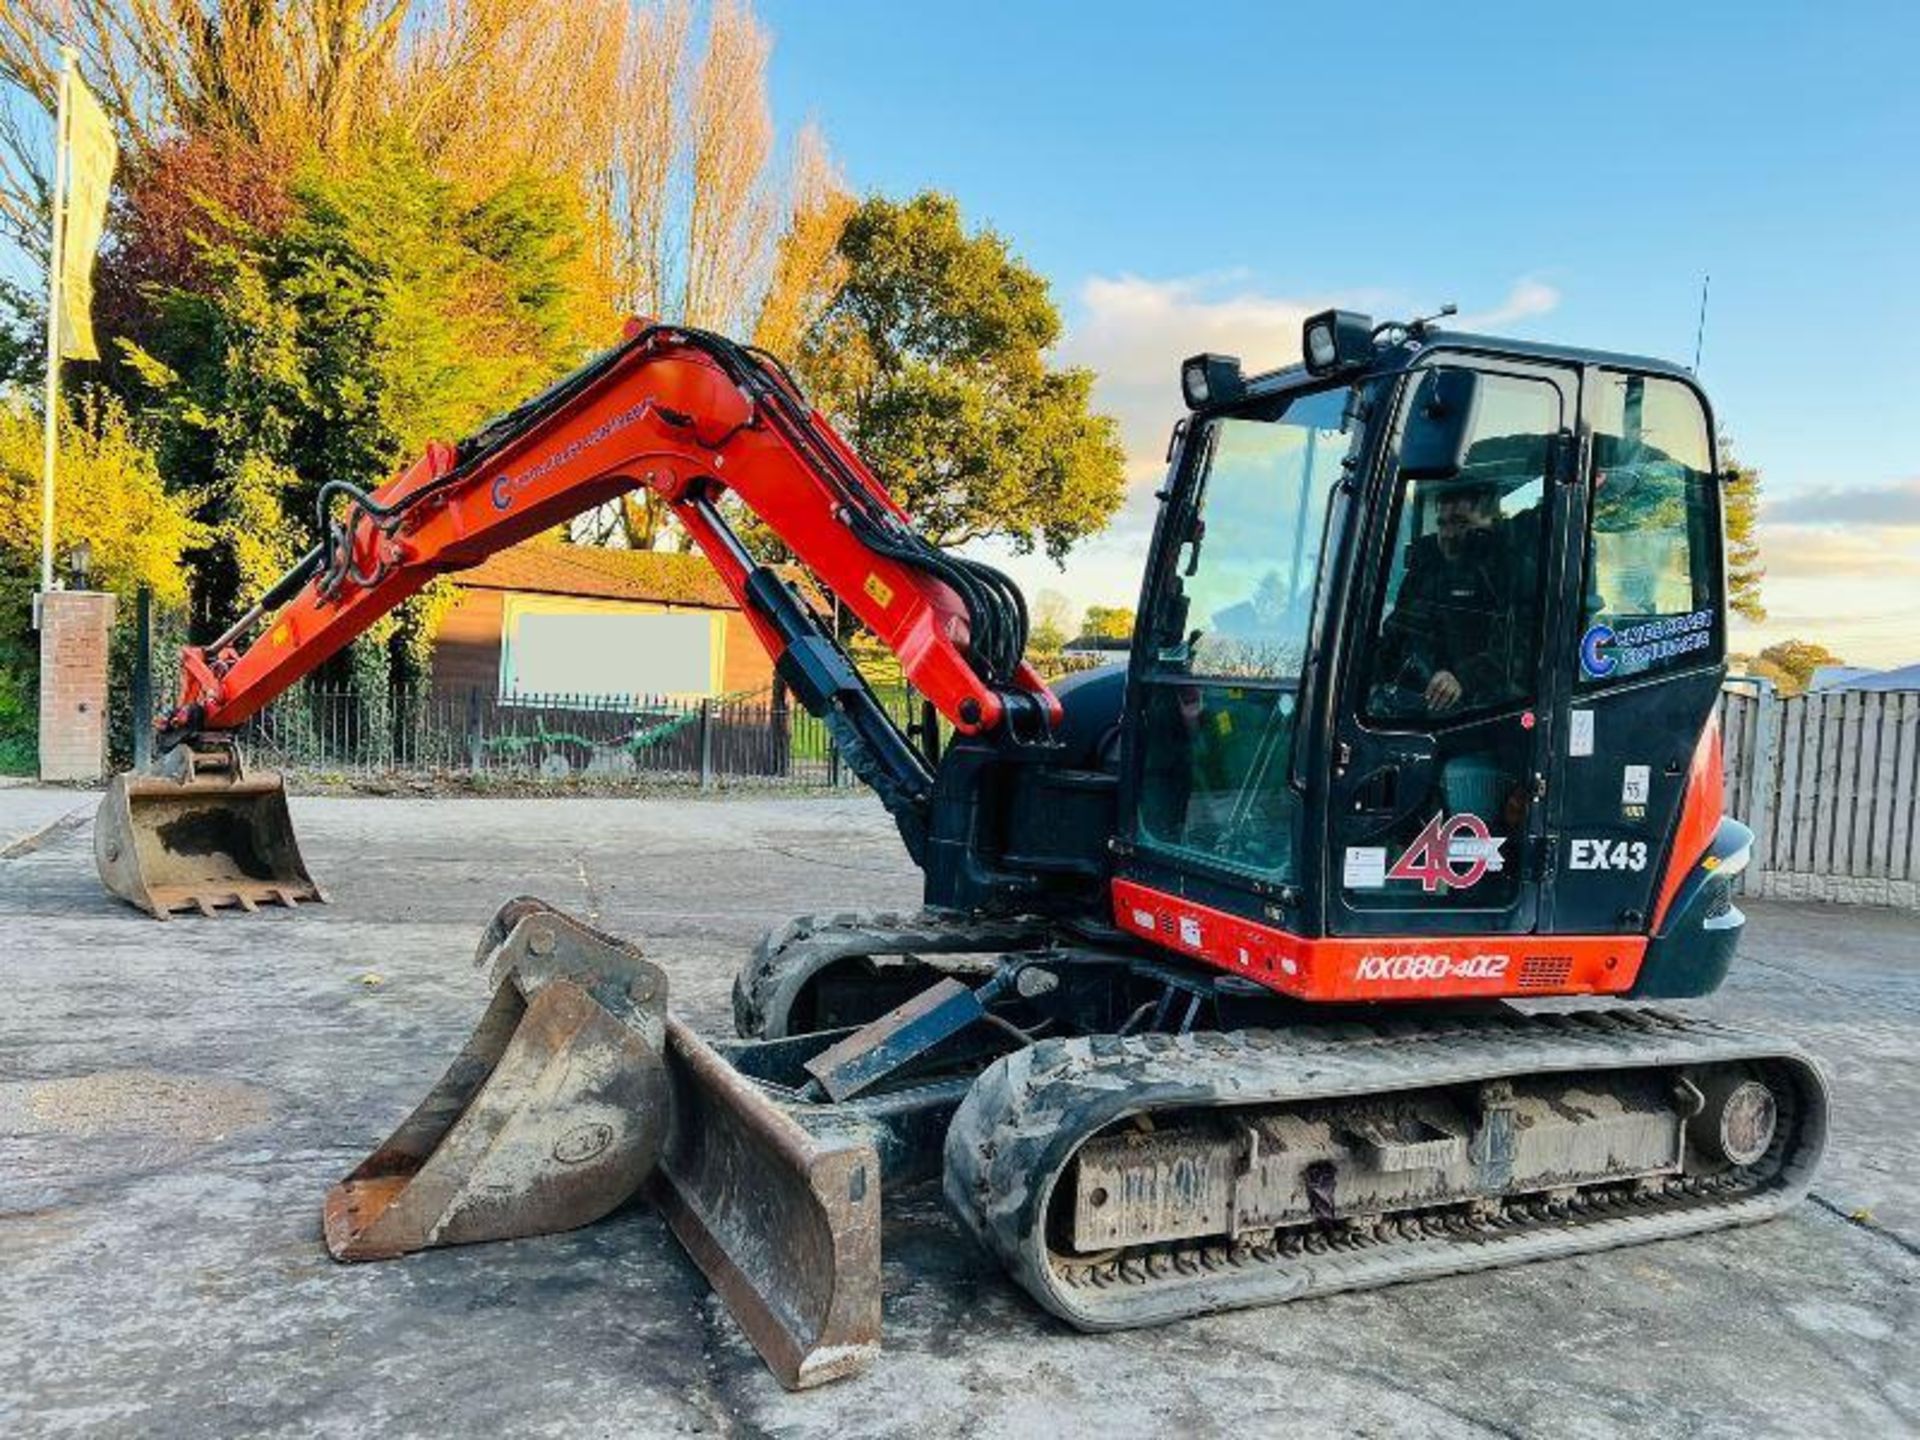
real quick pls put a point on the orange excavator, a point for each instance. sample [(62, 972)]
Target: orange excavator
[(1218, 996)]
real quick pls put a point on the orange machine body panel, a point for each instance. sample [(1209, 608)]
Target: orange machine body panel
[(1368, 968), (1700, 812)]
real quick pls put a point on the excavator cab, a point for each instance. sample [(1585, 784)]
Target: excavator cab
[(1430, 651)]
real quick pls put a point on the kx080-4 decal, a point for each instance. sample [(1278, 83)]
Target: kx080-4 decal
[(1431, 967)]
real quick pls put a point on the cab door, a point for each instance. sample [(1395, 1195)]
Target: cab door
[(1642, 651), (1443, 722)]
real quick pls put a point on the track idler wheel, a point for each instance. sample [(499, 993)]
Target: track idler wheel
[(1737, 1119)]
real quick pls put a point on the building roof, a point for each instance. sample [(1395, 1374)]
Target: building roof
[(657, 577), (1854, 677)]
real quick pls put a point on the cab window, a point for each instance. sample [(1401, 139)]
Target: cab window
[(1230, 631), (1652, 600), (1456, 629)]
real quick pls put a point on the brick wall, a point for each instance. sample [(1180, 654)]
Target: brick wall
[(74, 626), (466, 647)]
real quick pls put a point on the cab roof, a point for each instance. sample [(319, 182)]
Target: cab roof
[(1412, 350)]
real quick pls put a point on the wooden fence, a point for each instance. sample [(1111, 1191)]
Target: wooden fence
[(1830, 784)]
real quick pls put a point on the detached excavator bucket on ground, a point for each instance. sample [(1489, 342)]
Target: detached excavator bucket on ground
[(199, 834), (575, 1094)]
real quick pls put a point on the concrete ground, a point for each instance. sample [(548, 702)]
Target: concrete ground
[(175, 1100)]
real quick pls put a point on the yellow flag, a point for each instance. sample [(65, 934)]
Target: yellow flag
[(91, 152)]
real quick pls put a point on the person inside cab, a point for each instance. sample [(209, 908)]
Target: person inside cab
[(1457, 636)]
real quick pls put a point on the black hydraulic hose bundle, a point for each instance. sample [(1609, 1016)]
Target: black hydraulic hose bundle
[(996, 611), (995, 608)]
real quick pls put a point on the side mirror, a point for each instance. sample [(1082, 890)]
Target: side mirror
[(1433, 443)]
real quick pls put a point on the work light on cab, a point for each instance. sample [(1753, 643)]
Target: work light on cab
[(1336, 340), (1211, 380)]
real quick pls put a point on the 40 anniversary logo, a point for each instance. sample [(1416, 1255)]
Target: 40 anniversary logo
[(1453, 852)]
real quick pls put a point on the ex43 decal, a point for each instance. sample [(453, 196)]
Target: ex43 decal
[(1606, 854)]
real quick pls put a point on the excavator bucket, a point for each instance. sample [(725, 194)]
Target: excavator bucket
[(575, 1093), (551, 1116), (200, 835)]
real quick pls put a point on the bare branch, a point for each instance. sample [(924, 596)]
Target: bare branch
[(807, 267), (730, 132)]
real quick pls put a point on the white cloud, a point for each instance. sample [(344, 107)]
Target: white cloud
[(1527, 299), (1840, 551), (1895, 504), (1133, 333), (1846, 585)]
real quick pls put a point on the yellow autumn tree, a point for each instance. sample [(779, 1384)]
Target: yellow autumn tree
[(111, 497)]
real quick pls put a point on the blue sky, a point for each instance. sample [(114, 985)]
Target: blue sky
[(1198, 177)]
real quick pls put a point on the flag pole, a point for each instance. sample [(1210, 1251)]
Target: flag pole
[(54, 267)]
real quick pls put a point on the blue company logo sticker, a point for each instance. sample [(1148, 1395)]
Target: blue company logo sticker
[(1591, 660), (506, 486)]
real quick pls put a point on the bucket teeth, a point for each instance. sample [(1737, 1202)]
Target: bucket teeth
[(574, 1092)]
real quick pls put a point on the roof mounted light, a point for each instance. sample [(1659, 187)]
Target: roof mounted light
[(1211, 380), (1337, 340)]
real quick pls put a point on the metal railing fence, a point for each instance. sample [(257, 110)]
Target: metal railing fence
[(337, 732)]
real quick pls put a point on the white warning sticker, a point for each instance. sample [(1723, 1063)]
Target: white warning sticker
[(1635, 781), (1580, 733), (1365, 867)]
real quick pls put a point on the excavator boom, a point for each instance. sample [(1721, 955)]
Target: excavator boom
[(691, 417)]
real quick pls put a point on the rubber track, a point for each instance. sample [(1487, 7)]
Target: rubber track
[(1028, 1114), (787, 957)]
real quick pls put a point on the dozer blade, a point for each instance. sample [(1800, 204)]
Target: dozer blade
[(782, 1219), (575, 1092), (200, 839), (552, 1115)]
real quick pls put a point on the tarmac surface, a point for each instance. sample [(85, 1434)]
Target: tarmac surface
[(175, 1100)]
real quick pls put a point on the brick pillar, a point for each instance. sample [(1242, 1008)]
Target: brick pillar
[(73, 684)]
